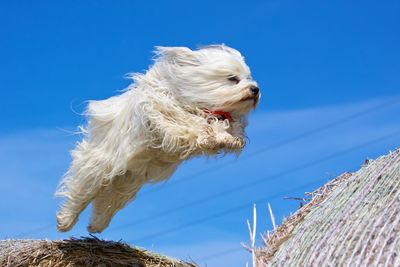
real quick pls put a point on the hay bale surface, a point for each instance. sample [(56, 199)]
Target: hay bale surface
[(353, 220), (80, 252)]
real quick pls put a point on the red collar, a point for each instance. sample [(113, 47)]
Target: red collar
[(220, 114)]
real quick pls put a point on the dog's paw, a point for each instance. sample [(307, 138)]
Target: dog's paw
[(236, 143), (96, 228), (98, 224), (208, 142), (230, 142), (221, 141), (65, 221)]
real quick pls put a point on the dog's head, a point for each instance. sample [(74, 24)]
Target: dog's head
[(213, 78)]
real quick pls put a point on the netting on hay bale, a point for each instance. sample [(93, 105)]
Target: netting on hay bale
[(80, 252), (354, 220)]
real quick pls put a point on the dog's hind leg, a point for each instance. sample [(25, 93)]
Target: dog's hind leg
[(77, 201), (80, 193), (111, 199), (80, 185)]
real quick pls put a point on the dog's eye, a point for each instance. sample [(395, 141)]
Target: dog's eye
[(234, 79)]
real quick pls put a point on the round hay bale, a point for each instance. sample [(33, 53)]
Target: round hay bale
[(80, 252), (353, 220)]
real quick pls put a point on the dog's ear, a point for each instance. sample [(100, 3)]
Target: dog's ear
[(181, 56)]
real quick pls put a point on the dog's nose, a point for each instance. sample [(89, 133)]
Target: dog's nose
[(254, 90)]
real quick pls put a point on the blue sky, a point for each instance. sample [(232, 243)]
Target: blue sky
[(318, 63)]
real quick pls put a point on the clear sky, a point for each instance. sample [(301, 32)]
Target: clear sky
[(329, 75)]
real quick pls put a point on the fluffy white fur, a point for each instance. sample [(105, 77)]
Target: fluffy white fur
[(164, 117)]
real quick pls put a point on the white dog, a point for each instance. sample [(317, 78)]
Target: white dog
[(188, 103)]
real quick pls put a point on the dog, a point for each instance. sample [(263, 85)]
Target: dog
[(189, 103)]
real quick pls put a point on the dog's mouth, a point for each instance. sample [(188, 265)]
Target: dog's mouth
[(253, 98), (241, 106)]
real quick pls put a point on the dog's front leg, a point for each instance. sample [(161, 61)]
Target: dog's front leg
[(233, 138), (229, 142), (218, 138), (193, 137)]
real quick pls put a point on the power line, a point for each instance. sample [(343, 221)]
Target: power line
[(219, 254), (220, 214), (244, 157), (239, 188), (278, 144)]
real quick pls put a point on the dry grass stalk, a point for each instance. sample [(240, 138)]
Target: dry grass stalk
[(252, 234)]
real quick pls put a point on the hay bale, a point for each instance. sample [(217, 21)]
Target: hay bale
[(80, 252), (353, 220)]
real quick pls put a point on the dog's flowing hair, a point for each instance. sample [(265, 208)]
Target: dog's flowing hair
[(190, 102)]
